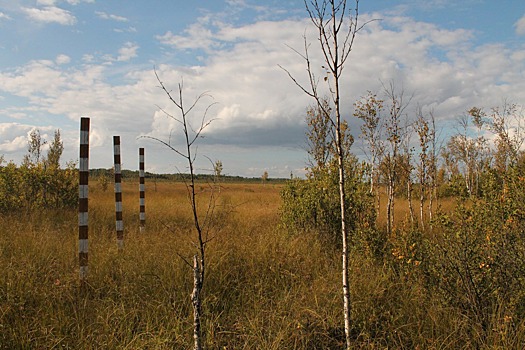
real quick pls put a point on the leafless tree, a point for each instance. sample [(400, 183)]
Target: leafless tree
[(192, 132)]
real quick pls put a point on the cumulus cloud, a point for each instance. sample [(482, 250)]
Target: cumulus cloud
[(258, 106), (520, 26), (62, 59), (50, 14), (199, 35), (14, 136), (127, 52)]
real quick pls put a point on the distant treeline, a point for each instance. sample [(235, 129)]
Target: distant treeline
[(134, 174)]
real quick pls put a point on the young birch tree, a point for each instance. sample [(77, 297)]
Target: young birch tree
[(336, 28), (394, 135), (507, 123), (369, 110), (192, 132), (422, 129), (432, 167), (408, 168)]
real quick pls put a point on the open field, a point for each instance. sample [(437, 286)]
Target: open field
[(264, 288)]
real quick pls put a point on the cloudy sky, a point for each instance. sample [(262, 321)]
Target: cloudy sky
[(63, 59)]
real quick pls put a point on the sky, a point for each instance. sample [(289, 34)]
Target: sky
[(64, 59)]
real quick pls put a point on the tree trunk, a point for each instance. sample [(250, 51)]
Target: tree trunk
[(196, 302), (409, 197), (347, 308), (421, 204), (390, 206)]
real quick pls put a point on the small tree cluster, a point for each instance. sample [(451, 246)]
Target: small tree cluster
[(313, 204), (39, 182)]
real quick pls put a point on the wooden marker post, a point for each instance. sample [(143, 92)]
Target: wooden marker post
[(142, 190), (83, 200), (118, 192)]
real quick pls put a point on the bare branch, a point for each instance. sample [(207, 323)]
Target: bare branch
[(165, 144)]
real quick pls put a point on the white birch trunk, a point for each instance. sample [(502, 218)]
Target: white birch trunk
[(196, 302)]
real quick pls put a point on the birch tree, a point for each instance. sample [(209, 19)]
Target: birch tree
[(369, 110), (336, 29), (508, 124), (423, 132), (408, 168), (393, 134), (192, 131)]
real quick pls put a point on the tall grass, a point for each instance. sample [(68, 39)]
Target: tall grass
[(265, 288)]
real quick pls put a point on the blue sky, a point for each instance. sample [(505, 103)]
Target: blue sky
[(62, 59)]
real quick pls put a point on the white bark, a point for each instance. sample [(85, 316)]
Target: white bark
[(196, 302)]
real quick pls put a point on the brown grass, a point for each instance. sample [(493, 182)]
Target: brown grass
[(264, 288)]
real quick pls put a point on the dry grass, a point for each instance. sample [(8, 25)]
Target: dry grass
[(401, 208), (264, 288)]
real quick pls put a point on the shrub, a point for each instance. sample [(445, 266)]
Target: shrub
[(35, 186), (312, 204), (477, 254)]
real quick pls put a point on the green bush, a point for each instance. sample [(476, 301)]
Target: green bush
[(475, 258), (35, 186), (313, 204)]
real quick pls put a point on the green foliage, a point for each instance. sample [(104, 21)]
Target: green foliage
[(39, 182), (103, 181), (31, 187), (476, 256), (455, 187), (313, 205), (11, 188), (55, 151)]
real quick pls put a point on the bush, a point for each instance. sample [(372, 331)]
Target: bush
[(476, 256), (35, 186), (313, 205)]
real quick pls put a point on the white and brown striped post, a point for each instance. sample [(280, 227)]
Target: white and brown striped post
[(118, 192), (83, 199), (142, 191)]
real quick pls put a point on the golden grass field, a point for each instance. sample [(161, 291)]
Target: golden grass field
[(264, 288), (139, 298)]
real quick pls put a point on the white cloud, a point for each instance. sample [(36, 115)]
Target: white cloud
[(127, 52), (14, 137), (105, 15), (4, 16), (198, 38), (87, 58), (258, 105), (50, 14), (125, 30), (62, 59), (46, 2), (520, 26), (198, 35), (76, 2)]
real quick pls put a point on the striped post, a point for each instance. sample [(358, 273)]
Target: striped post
[(118, 192), (83, 199), (142, 190)]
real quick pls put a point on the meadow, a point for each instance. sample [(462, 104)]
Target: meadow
[(265, 287)]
